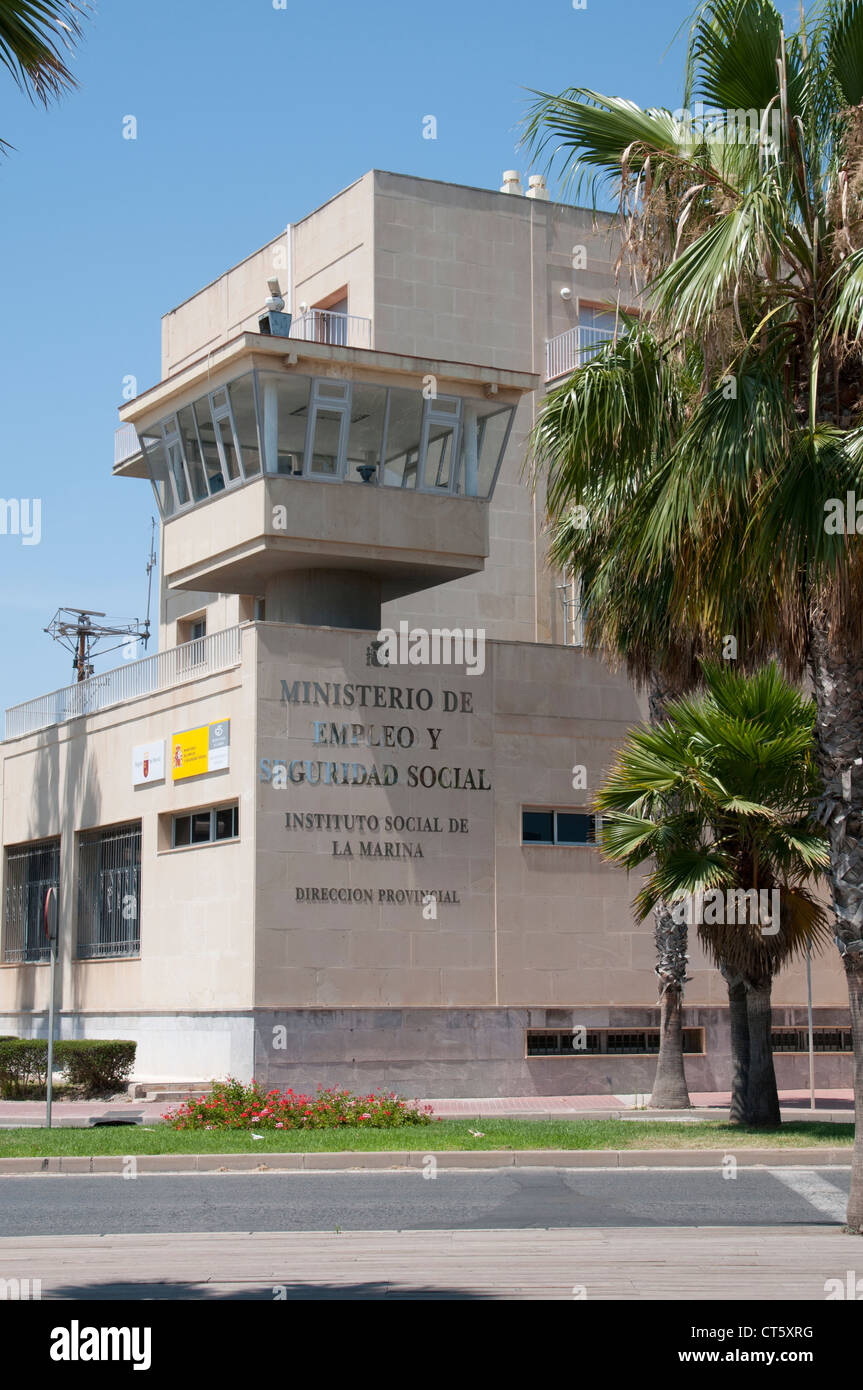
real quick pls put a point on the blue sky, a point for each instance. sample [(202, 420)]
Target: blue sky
[(248, 117)]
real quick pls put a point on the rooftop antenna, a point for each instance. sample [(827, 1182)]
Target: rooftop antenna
[(151, 565), (81, 632)]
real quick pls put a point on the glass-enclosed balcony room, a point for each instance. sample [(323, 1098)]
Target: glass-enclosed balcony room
[(371, 464), (302, 426)]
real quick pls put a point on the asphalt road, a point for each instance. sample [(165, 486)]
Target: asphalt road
[(454, 1200)]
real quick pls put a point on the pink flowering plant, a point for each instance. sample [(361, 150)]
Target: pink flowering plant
[(240, 1105)]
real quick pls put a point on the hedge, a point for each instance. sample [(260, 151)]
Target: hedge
[(94, 1064)]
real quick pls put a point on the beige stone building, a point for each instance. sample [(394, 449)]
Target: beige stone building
[(282, 849)]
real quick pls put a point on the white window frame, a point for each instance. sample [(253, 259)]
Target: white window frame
[(340, 407)]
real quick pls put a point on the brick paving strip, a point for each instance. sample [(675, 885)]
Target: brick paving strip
[(768, 1263), (117, 1164), (831, 1105)]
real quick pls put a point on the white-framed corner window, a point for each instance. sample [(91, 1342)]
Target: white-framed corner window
[(440, 443), (327, 431)]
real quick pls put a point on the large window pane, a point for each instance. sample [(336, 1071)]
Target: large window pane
[(403, 438), (243, 403), (484, 433), (574, 828), (207, 434), (157, 463), (192, 452), (537, 827), (365, 435), (285, 412)]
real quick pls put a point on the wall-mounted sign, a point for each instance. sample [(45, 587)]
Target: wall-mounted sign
[(148, 763), (206, 749)]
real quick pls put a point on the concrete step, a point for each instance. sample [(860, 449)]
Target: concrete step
[(171, 1091)]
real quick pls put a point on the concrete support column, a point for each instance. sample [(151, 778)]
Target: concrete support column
[(325, 598)]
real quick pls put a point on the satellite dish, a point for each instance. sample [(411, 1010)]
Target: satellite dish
[(50, 914)]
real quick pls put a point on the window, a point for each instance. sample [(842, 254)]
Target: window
[(823, 1040), (604, 1042), (596, 327), (205, 827), (109, 892), (191, 634), (559, 827), (30, 871), (284, 413), (329, 417), (485, 434), (440, 440)]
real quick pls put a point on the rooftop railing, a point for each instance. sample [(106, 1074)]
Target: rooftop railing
[(202, 657), (336, 330), (572, 349)]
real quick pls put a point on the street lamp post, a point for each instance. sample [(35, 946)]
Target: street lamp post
[(50, 925)]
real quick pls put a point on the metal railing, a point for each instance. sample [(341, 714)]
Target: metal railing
[(126, 443), (202, 657), (572, 349), (337, 330)]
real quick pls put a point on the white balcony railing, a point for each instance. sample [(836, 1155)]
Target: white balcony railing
[(202, 657), (572, 349), (125, 443), (338, 330)]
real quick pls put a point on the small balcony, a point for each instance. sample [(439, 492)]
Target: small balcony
[(573, 348), (334, 329)]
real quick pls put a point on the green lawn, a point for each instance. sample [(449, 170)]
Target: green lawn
[(446, 1134)]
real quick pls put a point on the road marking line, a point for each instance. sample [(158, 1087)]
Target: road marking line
[(817, 1191)]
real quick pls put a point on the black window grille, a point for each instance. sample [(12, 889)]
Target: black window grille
[(823, 1039), (30, 871), (109, 892), (596, 1042)]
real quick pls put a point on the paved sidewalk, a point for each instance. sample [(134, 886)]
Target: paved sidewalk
[(830, 1105), (626, 1263)]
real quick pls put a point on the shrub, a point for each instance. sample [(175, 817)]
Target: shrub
[(23, 1063), (96, 1064), (93, 1064), (238, 1105)]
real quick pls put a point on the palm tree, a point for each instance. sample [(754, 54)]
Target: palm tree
[(581, 424), (628, 405), (753, 249), (35, 38), (719, 797)]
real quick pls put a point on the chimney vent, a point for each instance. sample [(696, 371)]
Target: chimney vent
[(537, 187), (511, 181)]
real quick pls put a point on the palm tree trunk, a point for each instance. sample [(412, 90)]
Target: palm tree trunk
[(762, 1094), (837, 674), (670, 1091), (739, 1029)]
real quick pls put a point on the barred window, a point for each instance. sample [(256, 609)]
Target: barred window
[(580, 1041), (109, 892), (30, 871)]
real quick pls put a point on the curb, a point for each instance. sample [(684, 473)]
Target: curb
[(116, 1164)]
